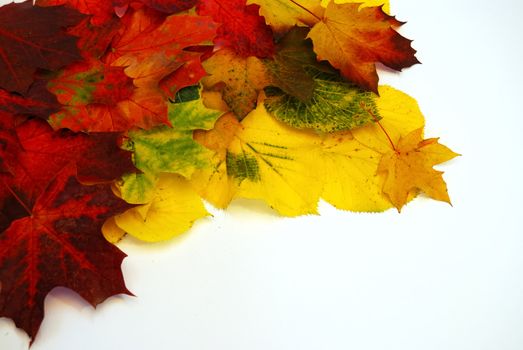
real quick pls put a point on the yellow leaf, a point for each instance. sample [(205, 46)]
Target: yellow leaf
[(364, 3), (282, 15), (410, 168), (112, 232), (350, 159), (261, 158), (213, 182), (174, 208)]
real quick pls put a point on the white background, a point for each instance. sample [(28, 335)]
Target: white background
[(432, 277)]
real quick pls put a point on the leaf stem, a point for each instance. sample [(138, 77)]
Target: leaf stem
[(306, 9), (376, 120)]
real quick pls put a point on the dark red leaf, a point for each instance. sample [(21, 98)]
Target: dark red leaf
[(39, 41), (101, 11), (58, 242), (165, 6), (38, 101), (33, 153)]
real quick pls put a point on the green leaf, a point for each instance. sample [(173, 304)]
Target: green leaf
[(335, 105), (190, 113)]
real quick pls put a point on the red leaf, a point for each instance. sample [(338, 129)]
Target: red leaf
[(100, 10), (38, 101), (59, 243), (38, 41), (33, 153), (242, 29), (165, 6), (98, 97)]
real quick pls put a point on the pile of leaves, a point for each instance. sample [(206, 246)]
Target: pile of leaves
[(118, 117)]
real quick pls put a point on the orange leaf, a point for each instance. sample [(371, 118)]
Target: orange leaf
[(410, 168), (354, 40)]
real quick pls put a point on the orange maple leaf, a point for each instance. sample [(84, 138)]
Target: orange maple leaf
[(409, 168), (354, 40)]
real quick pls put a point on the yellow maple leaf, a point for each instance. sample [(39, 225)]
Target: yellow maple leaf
[(409, 168)]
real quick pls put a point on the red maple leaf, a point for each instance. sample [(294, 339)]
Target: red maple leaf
[(101, 11), (101, 98), (38, 41), (58, 242), (33, 153), (242, 28), (38, 101), (165, 6)]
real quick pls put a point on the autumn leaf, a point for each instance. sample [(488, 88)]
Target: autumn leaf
[(282, 15), (93, 40), (242, 29), (43, 44), (57, 243), (263, 159), (100, 11), (243, 79), (409, 168), (172, 209), (288, 69), (38, 101), (334, 105), (350, 159), (101, 98), (152, 47), (166, 6), (363, 3), (165, 155), (354, 39), (33, 153)]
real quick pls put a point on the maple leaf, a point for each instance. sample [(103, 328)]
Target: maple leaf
[(59, 243), (98, 97), (282, 15), (242, 28), (153, 47), (43, 44), (244, 78), (100, 11), (354, 40), (166, 6), (33, 153), (38, 101), (93, 40), (410, 167)]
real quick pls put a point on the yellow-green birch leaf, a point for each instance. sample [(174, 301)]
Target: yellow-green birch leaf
[(174, 208)]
